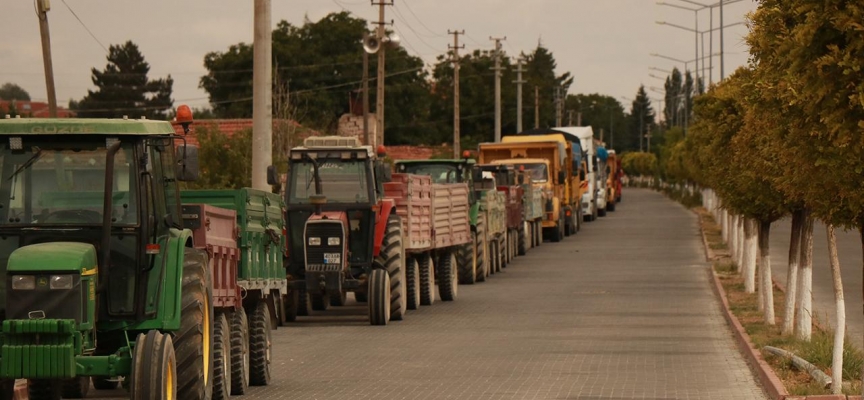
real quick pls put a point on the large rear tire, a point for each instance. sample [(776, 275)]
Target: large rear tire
[(448, 278), (154, 368), (427, 280), (239, 352), (522, 245), (260, 345), (289, 306), (558, 230), (193, 344), (480, 248), (494, 257), (379, 297), (221, 358), (466, 259), (412, 283)]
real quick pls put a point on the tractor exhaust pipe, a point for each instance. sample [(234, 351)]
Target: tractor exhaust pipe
[(107, 208), (318, 200)]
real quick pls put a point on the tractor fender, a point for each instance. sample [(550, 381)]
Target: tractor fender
[(382, 214)]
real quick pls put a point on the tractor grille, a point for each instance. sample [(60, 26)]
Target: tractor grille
[(315, 259)]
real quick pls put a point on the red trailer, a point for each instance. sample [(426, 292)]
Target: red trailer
[(505, 178)]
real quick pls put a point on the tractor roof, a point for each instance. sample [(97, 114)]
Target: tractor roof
[(83, 126)]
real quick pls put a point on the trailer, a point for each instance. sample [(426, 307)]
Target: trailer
[(435, 225), (532, 209), (493, 210), (505, 178), (242, 232)]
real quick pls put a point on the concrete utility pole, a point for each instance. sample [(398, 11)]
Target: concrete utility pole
[(536, 107), (497, 68), (570, 117), (579, 118), (379, 106), (519, 82), (43, 6), (262, 96), (365, 94), (722, 70), (456, 122), (559, 110)]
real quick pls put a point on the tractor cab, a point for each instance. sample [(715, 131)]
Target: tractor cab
[(334, 196), (90, 231)]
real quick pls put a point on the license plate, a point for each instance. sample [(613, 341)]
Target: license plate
[(332, 258)]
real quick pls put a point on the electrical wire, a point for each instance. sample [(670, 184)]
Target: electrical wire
[(405, 21), (434, 35), (85, 26)]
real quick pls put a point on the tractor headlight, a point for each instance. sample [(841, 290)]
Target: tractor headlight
[(60, 282), (314, 241), (23, 282), (334, 241)]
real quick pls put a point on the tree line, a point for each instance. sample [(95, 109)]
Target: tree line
[(784, 136)]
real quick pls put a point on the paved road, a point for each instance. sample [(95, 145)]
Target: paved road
[(849, 253), (621, 311)]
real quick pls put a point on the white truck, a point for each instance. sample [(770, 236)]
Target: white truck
[(590, 209)]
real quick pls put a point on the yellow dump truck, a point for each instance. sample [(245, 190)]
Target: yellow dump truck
[(551, 157)]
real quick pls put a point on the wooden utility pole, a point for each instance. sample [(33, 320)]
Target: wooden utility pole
[(379, 106), (559, 109), (455, 47), (43, 6), (536, 107), (262, 95), (519, 82), (497, 70)]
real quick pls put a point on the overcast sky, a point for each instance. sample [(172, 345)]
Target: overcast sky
[(605, 44)]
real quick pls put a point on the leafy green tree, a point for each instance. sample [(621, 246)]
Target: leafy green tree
[(11, 91), (123, 88), (641, 119), (603, 112), (540, 66), (639, 163), (319, 63), (225, 162)]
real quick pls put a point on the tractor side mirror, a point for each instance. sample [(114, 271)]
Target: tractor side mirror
[(562, 177), (187, 163), (272, 175)]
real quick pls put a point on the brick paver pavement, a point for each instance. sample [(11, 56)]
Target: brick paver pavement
[(623, 310)]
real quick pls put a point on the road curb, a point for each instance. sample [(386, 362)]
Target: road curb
[(770, 382)]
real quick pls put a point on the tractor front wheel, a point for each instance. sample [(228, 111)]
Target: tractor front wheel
[(379, 297), (76, 388), (154, 368)]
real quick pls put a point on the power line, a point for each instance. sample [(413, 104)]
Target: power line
[(85, 26), (419, 36), (407, 4)]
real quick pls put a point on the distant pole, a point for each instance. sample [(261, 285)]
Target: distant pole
[(579, 118), (497, 70), (536, 107), (365, 95), (611, 128), (711, 48), (43, 8), (570, 117), (696, 47), (379, 101), (519, 82), (722, 64), (262, 96), (456, 121), (559, 110), (641, 126)]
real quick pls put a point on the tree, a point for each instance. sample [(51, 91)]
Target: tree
[(672, 99), (540, 72), (124, 89), (319, 64), (641, 118), (11, 91), (225, 161), (602, 112)]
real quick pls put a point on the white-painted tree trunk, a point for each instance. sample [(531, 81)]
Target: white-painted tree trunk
[(804, 320), (792, 273), (740, 244), (840, 317), (767, 285), (733, 240), (724, 225), (748, 263)]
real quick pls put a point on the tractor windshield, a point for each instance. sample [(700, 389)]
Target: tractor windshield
[(538, 171), (342, 181), (440, 173), (50, 183)]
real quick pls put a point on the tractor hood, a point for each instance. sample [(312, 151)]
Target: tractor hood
[(69, 257)]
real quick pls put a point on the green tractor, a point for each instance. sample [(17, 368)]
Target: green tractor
[(101, 279), (472, 257)]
